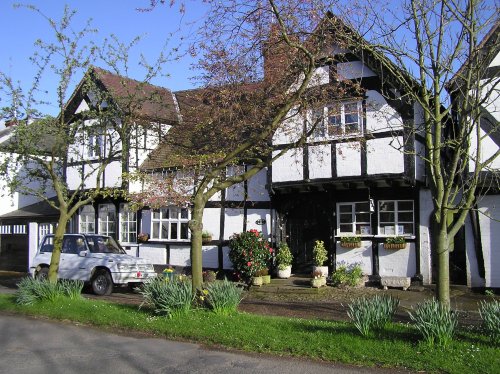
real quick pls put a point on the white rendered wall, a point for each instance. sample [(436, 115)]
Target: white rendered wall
[(397, 263), (255, 215), (290, 130), (488, 148), (380, 116), (320, 161), (233, 222), (362, 256), (226, 262), (353, 70), (113, 174), (209, 256), (489, 207), (419, 161), (156, 253), (32, 242), (211, 221), (288, 167), (383, 157), (348, 157), (257, 190), (473, 278), (426, 208), (180, 255), (235, 192)]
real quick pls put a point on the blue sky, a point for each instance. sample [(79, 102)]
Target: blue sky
[(19, 28)]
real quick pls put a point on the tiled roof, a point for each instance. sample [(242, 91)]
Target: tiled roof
[(148, 101)]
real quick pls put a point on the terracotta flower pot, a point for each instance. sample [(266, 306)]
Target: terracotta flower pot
[(394, 245), (350, 244)]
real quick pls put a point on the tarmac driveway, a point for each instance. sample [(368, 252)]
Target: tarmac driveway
[(37, 346)]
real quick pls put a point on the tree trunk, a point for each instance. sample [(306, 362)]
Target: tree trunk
[(196, 228), (56, 251), (443, 258)]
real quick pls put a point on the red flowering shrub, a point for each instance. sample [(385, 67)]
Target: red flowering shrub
[(249, 252)]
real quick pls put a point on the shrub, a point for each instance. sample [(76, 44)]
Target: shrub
[(223, 297), (320, 254), (436, 322), (31, 290), (347, 275), (249, 252), (490, 314), (284, 256), (372, 313), (172, 297), (209, 276)]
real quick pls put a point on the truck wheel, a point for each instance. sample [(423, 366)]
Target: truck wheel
[(42, 274), (102, 284)]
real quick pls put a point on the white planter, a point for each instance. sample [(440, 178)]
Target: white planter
[(283, 274), (322, 269)]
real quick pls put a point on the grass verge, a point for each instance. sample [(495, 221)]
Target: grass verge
[(397, 346)]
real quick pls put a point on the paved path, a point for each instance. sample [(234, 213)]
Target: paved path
[(35, 346)]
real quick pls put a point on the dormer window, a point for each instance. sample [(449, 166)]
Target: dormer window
[(337, 120)]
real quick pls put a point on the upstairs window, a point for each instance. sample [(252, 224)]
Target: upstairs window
[(170, 224), (94, 145), (335, 120), (345, 119), (396, 217), (354, 218)]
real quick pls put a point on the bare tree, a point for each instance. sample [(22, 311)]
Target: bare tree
[(43, 149), (258, 66), (432, 51)]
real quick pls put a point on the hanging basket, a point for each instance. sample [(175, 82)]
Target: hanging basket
[(394, 245), (350, 244)]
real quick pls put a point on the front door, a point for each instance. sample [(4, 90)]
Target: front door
[(307, 221)]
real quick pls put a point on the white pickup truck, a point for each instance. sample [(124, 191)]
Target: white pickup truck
[(95, 259)]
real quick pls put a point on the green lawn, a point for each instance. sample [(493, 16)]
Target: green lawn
[(397, 346)]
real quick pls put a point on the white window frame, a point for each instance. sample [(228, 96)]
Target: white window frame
[(86, 217), (128, 220), (95, 145), (397, 224), (106, 222), (165, 218), (354, 223), (325, 129), (339, 110)]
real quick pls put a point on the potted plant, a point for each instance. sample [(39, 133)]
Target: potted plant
[(249, 253), (206, 237), (257, 279), (318, 279), (266, 277), (320, 255), (168, 273), (350, 241), (284, 260), (142, 237), (395, 242)]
